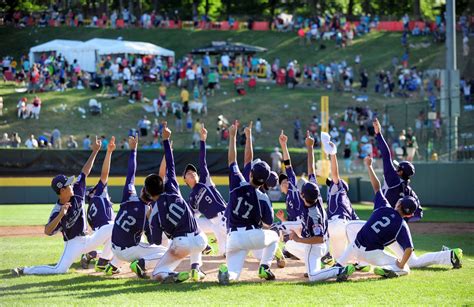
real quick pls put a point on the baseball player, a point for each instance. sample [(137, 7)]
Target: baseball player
[(248, 211), (396, 185), (312, 244), (385, 226), (131, 222), (100, 213), (68, 216), (205, 198), (173, 216)]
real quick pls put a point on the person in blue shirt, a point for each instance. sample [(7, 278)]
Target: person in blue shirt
[(172, 216), (204, 198), (397, 185), (249, 215), (68, 216), (311, 243), (131, 222)]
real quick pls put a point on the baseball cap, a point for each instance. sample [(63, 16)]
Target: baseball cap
[(282, 177), (61, 181), (272, 180), (406, 167), (260, 172), (408, 204), (189, 167), (310, 192)]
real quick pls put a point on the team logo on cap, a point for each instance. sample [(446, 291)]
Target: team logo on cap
[(59, 185)]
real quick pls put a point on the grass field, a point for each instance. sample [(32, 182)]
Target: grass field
[(430, 286)]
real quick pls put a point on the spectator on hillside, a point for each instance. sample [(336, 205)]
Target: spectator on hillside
[(86, 143), (411, 144), (143, 125), (197, 133), (191, 78), (277, 158), (71, 143), (35, 112), (56, 139), (5, 141), (22, 111), (258, 126), (31, 143), (185, 100), (178, 115), (348, 137), (189, 122), (15, 140), (1, 106), (124, 144), (364, 80), (347, 159)]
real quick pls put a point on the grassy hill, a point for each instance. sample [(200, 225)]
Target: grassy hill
[(277, 106)]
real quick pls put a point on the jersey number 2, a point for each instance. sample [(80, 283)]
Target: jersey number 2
[(385, 223), (126, 223), (239, 202)]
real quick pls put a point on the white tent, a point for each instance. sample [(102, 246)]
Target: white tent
[(112, 46), (70, 49)]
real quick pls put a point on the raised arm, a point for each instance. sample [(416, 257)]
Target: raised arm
[(373, 178), (203, 171), (171, 184), (283, 139), (334, 166), (232, 154), (309, 142), (104, 175), (86, 169), (129, 187), (248, 153), (389, 172)]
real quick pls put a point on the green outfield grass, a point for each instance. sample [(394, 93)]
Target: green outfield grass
[(432, 286), (17, 215)]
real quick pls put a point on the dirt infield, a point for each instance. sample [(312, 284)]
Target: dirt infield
[(416, 228)]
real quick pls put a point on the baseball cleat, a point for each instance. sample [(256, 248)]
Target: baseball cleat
[(100, 265), (138, 267), (345, 273), (176, 278), (223, 275), (86, 259), (197, 275), (207, 250), (280, 259), (111, 270), (328, 260), (456, 258), (385, 272), (17, 272), (264, 272), (362, 268)]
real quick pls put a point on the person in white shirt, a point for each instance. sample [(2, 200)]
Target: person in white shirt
[(191, 77), (348, 137), (225, 60), (31, 143), (258, 126)]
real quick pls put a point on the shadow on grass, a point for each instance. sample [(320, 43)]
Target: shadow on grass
[(434, 269)]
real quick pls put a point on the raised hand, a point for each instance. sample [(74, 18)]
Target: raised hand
[(203, 133), (283, 139), (133, 142), (166, 131), (377, 126), (233, 129), (248, 130), (111, 147), (309, 141), (96, 144), (368, 161)]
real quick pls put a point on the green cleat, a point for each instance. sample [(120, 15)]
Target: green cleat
[(138, 267), (176, 278), (328, 260), (100, 265), (363, 268), (346, 272), (456, 258), (385, 272), (111, 270), (280, 258), (264, 272), (197, 275), (223, 275)]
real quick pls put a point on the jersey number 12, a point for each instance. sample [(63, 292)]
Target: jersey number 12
[(127, 222)]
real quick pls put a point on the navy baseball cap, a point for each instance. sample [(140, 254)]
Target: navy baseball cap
[(408, 204), (61, 181), (406, 167), (310, 192), (282, 177), (189, 167), (272, 180), (260, 172)]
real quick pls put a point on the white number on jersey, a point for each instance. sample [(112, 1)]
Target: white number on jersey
[(175, 212), (239, 203), (208, 199), (92, 210), (127, 222), (381, 224)]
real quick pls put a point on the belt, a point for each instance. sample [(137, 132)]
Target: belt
[(187, 234), (243, 228), (118, 247), (357, 243)]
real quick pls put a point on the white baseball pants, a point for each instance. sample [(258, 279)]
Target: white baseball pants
[(311, 254), (442, 257), (150, 253), (217, 226), (378, 257), (240, 242), (180, 247), (337, 236), (73, 249)]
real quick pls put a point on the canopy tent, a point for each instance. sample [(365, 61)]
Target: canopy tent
[(227, 47), (113, 46), (70, 49)]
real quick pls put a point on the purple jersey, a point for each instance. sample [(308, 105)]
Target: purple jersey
[(100, 212), (204, 196), (384, 227), (315, 223), (171, 214), (294, 203), (73, 223), (339, 204), (248, 207), (395, 187), (131, 219)]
